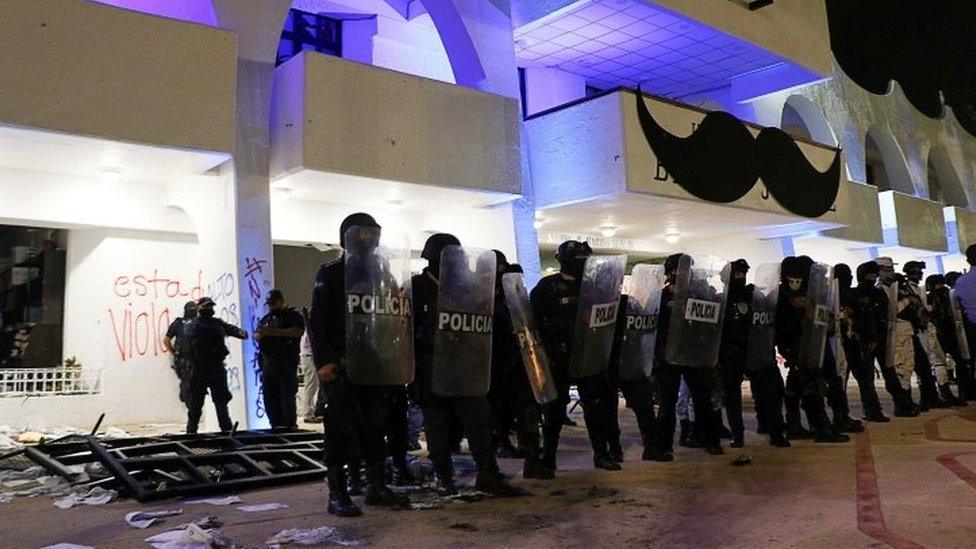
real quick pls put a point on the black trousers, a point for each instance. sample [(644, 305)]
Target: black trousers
[(474, 414), (767, 399), (835, 392), (860, 364), (637, 395), (396, 426), (279, 385), (204, 378), (355, 423), (806, 388), (699, 382)]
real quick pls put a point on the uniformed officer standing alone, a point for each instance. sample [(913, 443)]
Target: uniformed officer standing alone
[(206, 353), (278, 336)]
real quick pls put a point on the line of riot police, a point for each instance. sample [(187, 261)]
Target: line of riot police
[(482, 356)]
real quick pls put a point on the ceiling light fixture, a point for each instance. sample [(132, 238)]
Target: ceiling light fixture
[(672, 237), (608, 231)]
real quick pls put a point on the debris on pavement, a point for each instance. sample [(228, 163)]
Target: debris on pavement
[(190, 537), (260, 507), (67, 546), (93, 496), (741, 460), (226, 500), (145, 519), (463, 526), (323, 535)]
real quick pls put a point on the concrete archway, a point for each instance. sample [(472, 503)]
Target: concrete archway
[(885, 163), (804, 118), (944, 183)]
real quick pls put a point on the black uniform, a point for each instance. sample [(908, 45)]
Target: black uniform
[(206, 354), (555, 302), (637, 394), (181, 365), (279, 367), (512, 400), (355, 415), (860, 343), (732, 361), (440, 412), (669, 376)]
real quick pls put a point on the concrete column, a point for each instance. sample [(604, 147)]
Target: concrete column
[(258, 24)]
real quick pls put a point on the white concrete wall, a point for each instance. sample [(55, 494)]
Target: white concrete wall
[(546, 88), (84, 68)]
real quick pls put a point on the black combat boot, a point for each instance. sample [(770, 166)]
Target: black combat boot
[(355, 482), (616, 452), (339, 503), (489, 483), (605, 462), (379, 495), (950, 398), (534, 468), (779, 440), (828, 435), (848, 425)]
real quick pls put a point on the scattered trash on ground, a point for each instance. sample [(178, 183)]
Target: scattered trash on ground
[(145, 519), (190, 537), (463, 526), (323, 535), (260, 507), (92, 496), (226, 500), (67, 546)]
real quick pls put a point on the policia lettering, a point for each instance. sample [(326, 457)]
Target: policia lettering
[(702, 311), (366, 304), (640, 323), (464, 322), (603, 314), (763, 318)]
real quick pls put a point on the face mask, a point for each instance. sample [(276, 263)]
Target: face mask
[(795, 283), (190, 314), (207, 313)]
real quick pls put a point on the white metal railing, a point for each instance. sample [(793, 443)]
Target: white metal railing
[(21, 382)]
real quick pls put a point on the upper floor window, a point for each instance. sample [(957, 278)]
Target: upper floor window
[(305, 31)]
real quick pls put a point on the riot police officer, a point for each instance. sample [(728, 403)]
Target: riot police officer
[(206, 353), (441, 411), (805, 384), (859, 341), (637, 392), (555, 300), (355, 415), (947, 334), (669, 376), (177, 330), (278, 336)]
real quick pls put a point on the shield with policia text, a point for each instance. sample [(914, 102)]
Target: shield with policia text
[(961, 339), (761, 343), (379, 330), (640, 321), (465, 307), (816, 317), (526, 332), (596, 315), (698, 312)]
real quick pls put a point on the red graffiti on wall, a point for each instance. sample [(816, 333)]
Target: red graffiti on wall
[(149, 302)]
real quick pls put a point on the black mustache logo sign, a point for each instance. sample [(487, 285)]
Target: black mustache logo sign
[(721, 161)]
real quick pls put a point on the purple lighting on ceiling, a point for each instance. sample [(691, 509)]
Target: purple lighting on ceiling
[(628, 42), (194, 11)]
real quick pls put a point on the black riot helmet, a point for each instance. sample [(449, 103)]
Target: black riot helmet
[(190, 309), (572, 255), (842, 272), (913, 270), (671, 264), (934, 282), (951, 277), (434, 246), (867, 273), (206, 307), (358, 219), (501, 262)]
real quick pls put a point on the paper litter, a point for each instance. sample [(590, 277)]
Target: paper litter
[(314, 536), (94, 496), (228, 500), (145, 519), (259, 507)]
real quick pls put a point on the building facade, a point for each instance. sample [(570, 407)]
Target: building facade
[(155, 151)]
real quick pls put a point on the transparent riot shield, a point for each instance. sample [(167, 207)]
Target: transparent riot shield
[(640, 321), (379, 330), (761, 345), (465, 306), (961, 338), (530, 344), (816, 317), (698, 312), (836, 341), (891, 290), (596, 316)]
